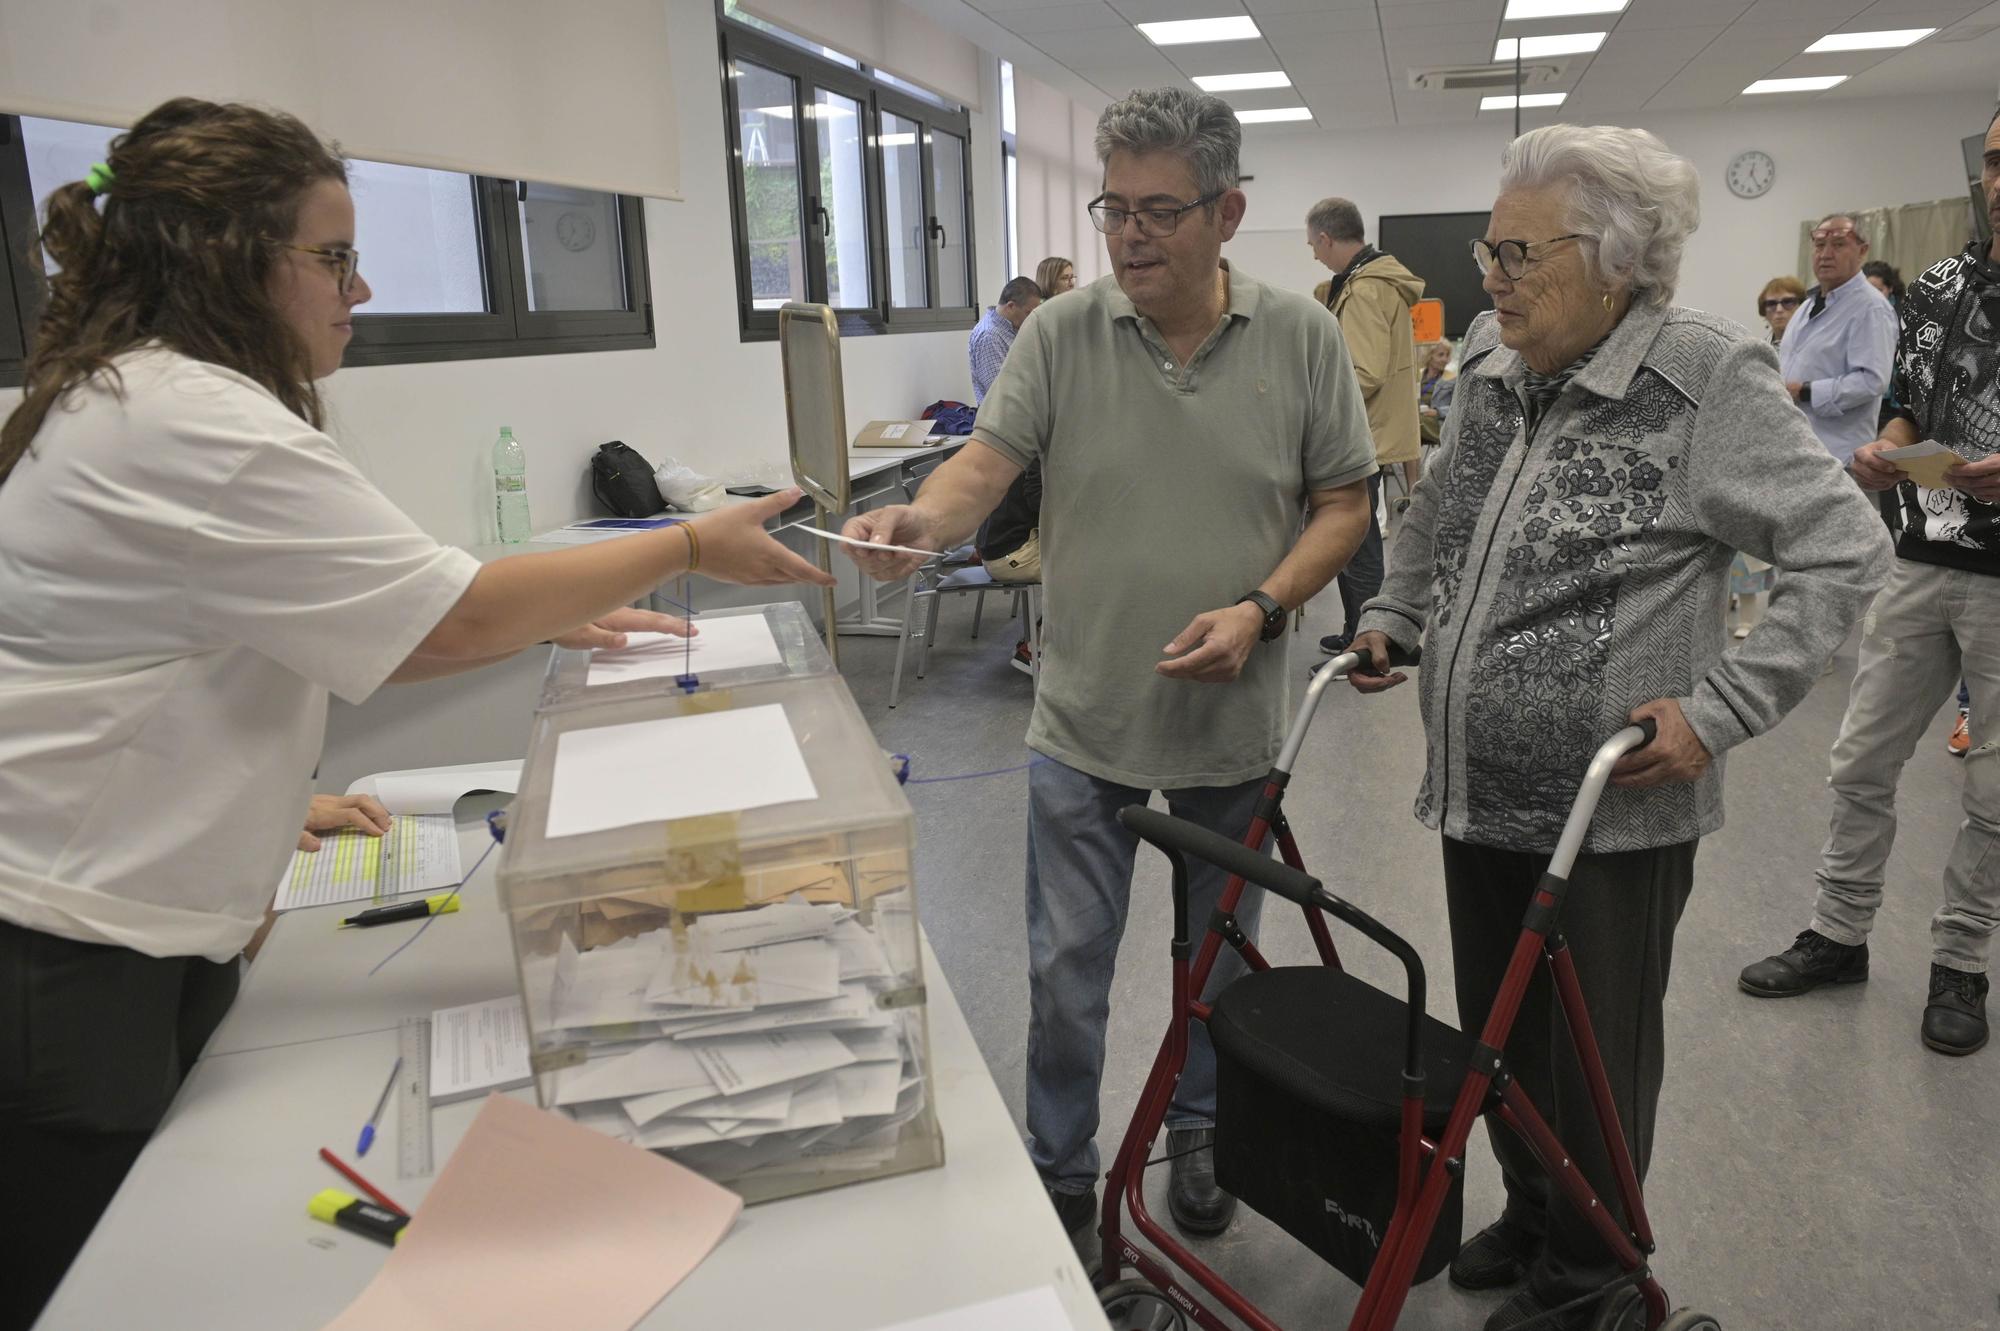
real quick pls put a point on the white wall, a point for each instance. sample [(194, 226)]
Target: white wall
[(1888, 151)]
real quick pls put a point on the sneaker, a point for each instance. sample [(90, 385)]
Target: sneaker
[(1402, 505), (1495, 1257), (1812, 960), (1961, 735), (1955, 1017), (1333, 644)]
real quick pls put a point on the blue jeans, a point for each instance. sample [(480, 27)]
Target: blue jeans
[(1361, 581), (1079, 888)]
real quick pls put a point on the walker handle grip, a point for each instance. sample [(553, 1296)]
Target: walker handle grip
[(1177, 836)]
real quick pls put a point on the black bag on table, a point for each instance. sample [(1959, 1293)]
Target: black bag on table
[(623, 481)]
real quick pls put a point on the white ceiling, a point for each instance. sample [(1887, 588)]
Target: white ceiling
[(1350, 60)]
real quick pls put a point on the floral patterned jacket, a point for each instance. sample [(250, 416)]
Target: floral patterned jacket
[(1559, 580)]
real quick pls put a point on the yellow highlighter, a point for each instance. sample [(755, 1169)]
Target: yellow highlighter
[(350, 1212), (444, 903)]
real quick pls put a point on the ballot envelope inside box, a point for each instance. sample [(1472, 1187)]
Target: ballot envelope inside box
[(715, 924)]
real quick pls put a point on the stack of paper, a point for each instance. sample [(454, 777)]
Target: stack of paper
[(751, 1036)]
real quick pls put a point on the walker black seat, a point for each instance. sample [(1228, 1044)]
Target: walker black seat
[(1309, 1064)]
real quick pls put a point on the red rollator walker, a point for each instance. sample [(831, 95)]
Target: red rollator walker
[(1343, 1112)]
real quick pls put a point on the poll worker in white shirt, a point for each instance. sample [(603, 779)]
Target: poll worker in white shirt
[(188, 567)]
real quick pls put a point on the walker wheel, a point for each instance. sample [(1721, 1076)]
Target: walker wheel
[(1687, 1319), (1136, 1305), (1624, 1310)]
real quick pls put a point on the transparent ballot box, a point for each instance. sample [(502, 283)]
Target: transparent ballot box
[(752, 644), (715, 924)]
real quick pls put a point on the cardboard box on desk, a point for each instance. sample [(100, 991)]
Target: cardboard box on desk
[(893, 434)]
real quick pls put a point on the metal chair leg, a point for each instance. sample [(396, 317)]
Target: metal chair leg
[(930, 633), (903, 638), (1034, 608), (978, 609)]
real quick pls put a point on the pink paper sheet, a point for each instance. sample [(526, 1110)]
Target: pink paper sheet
[(539, 1222)]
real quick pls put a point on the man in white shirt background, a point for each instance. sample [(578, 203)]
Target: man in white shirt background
[(1837, 349)]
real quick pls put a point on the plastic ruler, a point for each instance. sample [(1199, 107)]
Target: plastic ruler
[(413, 1098)]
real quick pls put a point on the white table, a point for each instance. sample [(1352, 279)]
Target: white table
[(210, 1232)]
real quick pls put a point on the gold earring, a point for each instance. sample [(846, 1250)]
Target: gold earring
[(1609, 304)]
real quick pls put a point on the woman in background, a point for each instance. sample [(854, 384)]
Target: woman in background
[(189, 566), (1778, 302), (1055, 275)]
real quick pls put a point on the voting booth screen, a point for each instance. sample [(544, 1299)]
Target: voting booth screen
[(1438, 248)]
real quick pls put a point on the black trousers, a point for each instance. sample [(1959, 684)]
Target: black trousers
[(94, 1041), (1619, 918), (1361, 581)]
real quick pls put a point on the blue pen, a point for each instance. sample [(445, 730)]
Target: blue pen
[(368, 1129)]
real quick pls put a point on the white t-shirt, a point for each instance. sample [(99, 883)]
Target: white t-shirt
[(184, 576)]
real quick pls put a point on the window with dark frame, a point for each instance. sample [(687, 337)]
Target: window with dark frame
[(462, 267), (847, 187)]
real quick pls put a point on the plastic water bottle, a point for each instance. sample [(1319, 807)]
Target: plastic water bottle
[(510, 488)]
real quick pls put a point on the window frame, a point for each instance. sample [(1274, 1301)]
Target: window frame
[(810, 73), (507, 327)]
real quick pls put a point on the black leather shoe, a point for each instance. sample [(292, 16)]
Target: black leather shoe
[(1197, 1205), (1076, 1210), (1333, 644), (1524, 1306), (1812, 960), (1955, 1017), (1496, 1256)]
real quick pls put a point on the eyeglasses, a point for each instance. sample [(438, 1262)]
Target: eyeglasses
[(1832, 239), (1772, 303), (345, 262), (1513, 256), (1156, 223)]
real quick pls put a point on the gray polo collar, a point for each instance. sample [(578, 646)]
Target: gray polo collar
[(1611, 370)]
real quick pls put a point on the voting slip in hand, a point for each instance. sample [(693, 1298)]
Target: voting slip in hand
[(1925, 463), (871, 545)]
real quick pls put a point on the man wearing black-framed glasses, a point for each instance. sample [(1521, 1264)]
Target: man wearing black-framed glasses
[(1204, 449)]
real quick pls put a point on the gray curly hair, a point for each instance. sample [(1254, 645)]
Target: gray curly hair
[(1200, 128), (1634, 201)]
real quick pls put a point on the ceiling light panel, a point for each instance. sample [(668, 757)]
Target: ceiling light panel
[(1818, 83), (1274, 78), (1505, 102), (1535, 48), (1521, 11), (1182, 32), (1276, 114), (1869, 41)]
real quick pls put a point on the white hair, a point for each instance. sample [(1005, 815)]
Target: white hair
[(1634, 202)]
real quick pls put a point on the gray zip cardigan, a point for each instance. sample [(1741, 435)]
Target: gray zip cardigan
[(1560, 580)]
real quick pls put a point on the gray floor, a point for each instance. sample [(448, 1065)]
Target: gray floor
[(1816, 1166)]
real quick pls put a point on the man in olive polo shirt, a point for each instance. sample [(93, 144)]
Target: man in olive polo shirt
[(1187, 418)]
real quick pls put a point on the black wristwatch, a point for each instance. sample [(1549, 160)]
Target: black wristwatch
[(1274, 614), (1805, 394)]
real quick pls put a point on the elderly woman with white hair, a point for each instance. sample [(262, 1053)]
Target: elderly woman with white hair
[(1565, 561)]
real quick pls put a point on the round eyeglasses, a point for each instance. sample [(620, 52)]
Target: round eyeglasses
[(1513, 257)]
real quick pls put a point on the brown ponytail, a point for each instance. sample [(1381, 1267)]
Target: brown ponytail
[(176, 251)]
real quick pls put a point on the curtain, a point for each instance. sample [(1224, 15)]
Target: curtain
[(1910, 236)]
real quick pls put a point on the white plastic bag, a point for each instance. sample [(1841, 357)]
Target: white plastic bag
[(686, 489)]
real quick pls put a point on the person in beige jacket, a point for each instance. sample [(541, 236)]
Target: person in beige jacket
[(1370, 293)]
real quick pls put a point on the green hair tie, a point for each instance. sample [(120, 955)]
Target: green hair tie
[(99, 178)]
